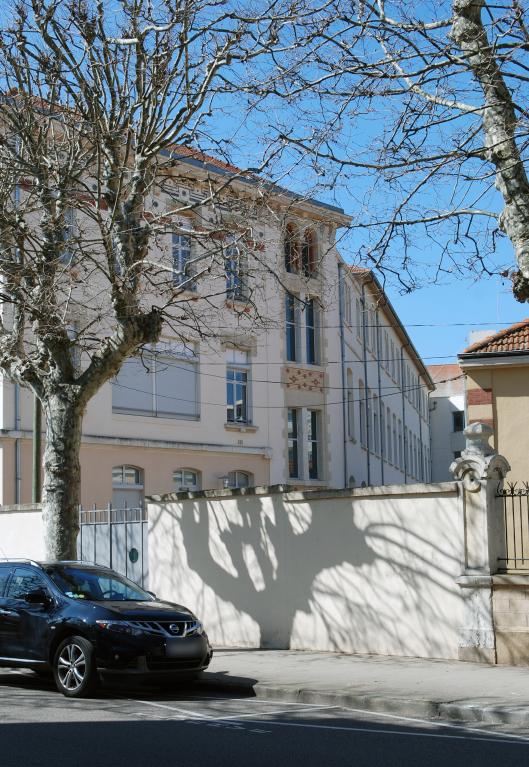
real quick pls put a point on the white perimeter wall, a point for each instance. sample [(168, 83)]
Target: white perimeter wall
[(21, 532), (360, 571)]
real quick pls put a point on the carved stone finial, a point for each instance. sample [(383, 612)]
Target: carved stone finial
[(478, 461), (477, 436)]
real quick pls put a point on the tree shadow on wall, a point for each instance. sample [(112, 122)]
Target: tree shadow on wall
[(264, 561)]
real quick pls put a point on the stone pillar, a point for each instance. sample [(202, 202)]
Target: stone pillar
[(481, 472)]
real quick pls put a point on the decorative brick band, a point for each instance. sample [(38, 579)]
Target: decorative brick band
[(479, 397)]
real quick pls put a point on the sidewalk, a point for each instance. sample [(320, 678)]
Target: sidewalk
[(465, 692)]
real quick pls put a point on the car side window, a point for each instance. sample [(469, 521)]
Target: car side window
[(5, 572), (23, 582)]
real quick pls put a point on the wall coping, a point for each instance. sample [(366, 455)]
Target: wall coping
[(506, 579), (289, 494), (20, 508)]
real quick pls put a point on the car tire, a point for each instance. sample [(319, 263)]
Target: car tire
[(74, 667)]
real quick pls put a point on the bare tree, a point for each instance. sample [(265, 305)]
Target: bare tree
[(427, 102), (100, 101)]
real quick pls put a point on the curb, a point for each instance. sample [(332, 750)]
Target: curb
[(464, 711)]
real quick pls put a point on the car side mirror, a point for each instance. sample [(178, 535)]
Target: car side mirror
[(37, 597)]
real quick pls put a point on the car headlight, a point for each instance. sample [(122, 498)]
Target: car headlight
[(194, 628), (120, 627)]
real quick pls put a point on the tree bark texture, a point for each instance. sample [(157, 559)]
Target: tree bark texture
[(62, 476), (499, 124)]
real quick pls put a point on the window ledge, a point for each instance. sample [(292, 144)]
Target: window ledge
[(241, 427)]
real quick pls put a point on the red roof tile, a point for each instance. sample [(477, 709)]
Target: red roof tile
[(512, 339), (194, 154)]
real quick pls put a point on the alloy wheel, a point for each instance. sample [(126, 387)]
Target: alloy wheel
[(71, 667)]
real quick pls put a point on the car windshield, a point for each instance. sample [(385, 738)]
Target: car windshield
[(96, 585)]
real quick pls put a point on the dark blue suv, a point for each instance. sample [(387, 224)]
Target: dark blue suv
[(77, 619)]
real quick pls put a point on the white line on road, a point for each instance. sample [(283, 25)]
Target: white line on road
[(190, 714), (453, 725)]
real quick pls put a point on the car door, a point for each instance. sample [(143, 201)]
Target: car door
[(27, 625), (5, 572)]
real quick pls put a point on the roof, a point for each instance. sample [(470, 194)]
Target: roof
[(448, 379), (208, 163), (512, 339)]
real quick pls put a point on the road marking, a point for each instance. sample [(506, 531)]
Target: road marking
[(269, 713), (190, 714), (512, 739), (453, 725)]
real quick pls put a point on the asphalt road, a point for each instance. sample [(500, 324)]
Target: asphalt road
[(152, 727)]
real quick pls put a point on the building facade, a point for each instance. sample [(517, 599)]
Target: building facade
[(447, 419), (326, 390), (496, 372)]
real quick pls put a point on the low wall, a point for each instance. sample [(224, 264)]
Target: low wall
[(21, 531), (360, 571)]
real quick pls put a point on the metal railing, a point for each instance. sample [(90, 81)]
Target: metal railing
[(515, 499)]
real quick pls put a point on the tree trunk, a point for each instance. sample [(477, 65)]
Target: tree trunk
[(62, 476)]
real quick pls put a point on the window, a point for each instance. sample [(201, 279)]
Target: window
[(127, 475), (312, 439), (163, 383), (236, 271), (362, 411), (309, 253), (358, 320), (376, 433), (382, 431), (181, 258), (348, 305), (350, 406), (293, 441), (395, 442), (311, 325), (291, 248), (401, 448), (458, 420), (238, 479), (292, 325), (237, 369), (4, 577), (388, 436), (68, 234), (23, 582), (369, 419), (186, 479)]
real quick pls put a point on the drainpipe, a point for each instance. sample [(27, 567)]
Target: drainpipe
[(342, 352), (404, 441), (380, 405), (366, 387), (17, 445)]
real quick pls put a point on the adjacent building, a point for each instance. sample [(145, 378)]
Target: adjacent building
[(496, 371), (327, 391), (447, 418)]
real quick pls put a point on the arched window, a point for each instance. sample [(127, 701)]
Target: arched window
[(127, 487), (239, 479), (291, 248), (309, 253), (187, 479)]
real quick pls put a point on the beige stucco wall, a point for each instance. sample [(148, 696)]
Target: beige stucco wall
[(508, 413), (365, 571)]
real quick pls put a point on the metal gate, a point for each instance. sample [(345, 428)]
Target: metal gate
[(116, 538)]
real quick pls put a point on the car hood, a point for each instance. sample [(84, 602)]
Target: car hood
[(148, 611)]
